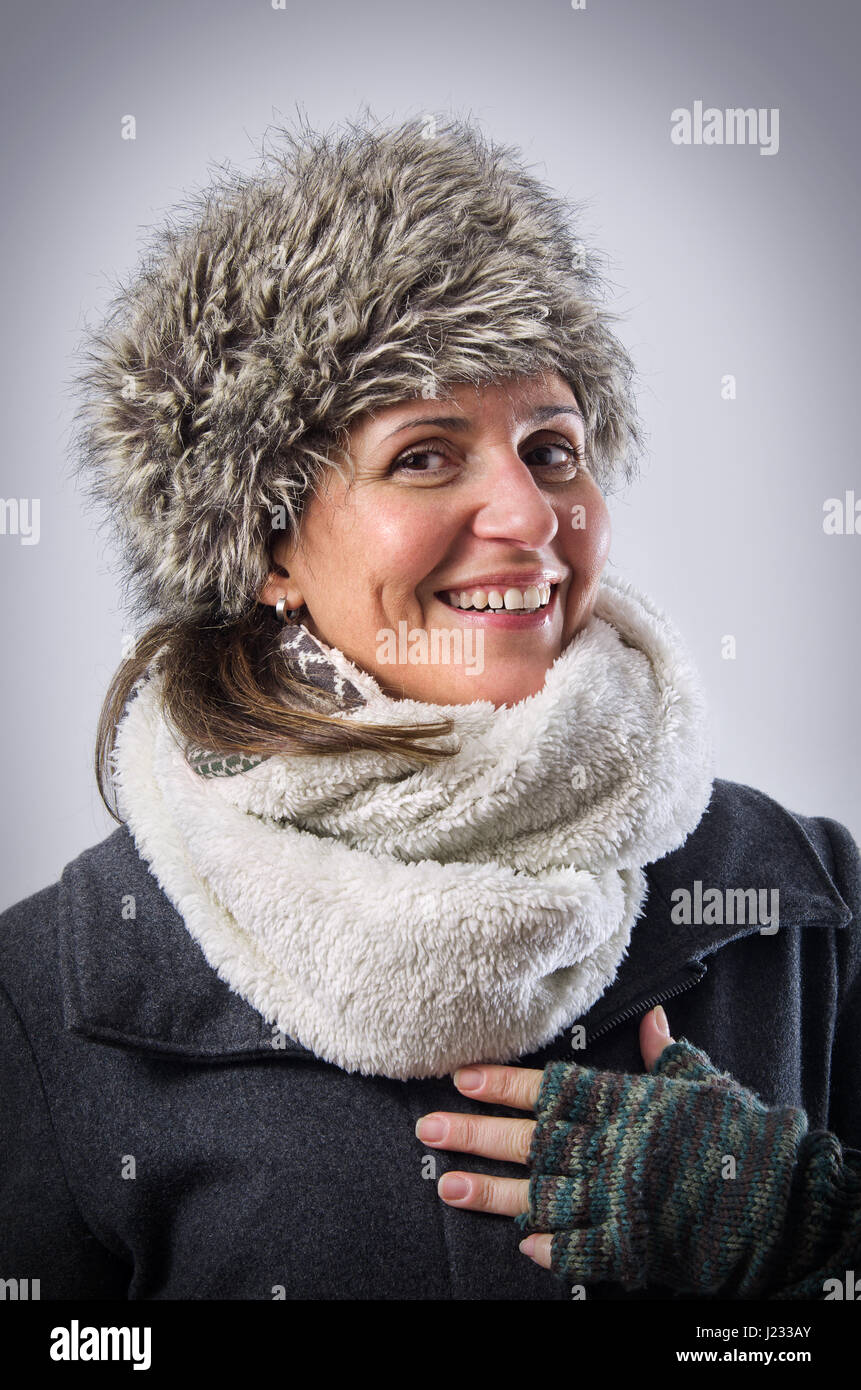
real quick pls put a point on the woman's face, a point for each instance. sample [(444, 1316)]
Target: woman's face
[(430, 567)]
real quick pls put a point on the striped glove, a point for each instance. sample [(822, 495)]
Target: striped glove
[(680, 1177)]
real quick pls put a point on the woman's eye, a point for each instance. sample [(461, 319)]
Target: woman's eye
[(414, 460), (556, 458), (569, 464)]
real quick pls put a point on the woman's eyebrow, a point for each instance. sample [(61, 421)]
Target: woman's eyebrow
[(461, 422)]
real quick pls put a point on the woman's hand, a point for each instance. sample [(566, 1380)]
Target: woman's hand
[(508, 1140), (679, 1178)]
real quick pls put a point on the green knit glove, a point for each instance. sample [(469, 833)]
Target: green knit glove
[(628, 1171)]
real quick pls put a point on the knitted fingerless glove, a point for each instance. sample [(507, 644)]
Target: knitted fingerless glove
[(682, 1177)]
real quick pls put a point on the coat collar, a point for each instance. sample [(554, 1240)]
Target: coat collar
[(134, 977)]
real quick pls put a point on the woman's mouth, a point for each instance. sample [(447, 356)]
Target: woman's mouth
[(503, 606)]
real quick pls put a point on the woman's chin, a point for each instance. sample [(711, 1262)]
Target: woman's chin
[(501, 683), (476, 657)]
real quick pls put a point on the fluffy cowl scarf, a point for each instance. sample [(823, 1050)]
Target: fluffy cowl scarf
[(402, 922)]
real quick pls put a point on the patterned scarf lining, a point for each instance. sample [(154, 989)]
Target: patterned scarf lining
[(307, 661)]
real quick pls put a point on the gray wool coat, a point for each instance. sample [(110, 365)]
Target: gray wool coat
[(158, 1143)]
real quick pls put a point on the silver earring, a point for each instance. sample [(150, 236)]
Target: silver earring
[(285, 614)]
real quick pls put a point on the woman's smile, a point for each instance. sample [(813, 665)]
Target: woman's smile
[(491, 593), (500, 602)]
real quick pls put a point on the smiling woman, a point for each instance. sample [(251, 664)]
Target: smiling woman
[(369, 391)]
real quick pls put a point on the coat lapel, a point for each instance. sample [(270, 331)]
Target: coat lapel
[(134, 977)]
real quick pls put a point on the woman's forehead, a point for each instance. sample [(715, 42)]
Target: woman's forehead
[(467, 401)]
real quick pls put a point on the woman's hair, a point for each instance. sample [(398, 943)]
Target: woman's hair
[(352, 270)]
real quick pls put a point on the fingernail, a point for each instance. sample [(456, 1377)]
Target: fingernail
[(453, 1188), (468, 1080), (431, 1129), (525, 1246), (661, 1020)]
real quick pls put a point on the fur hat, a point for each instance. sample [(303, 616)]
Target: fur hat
[(350, 271)]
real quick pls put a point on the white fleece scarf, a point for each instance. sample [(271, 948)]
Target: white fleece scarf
[(402, 922)]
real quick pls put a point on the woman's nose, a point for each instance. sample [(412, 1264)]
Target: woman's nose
[(511, 505)]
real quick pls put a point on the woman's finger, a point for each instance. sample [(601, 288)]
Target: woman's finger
[(516, 1087), (654, 1035), (537, 1247), (480, 1192), (491, 1136)]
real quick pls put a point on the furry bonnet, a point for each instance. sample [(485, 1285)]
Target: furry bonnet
[(352, 270)]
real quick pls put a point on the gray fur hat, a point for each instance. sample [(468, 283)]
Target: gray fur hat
[(351, 270)]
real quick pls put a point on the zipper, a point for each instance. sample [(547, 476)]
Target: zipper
[(696, 971)]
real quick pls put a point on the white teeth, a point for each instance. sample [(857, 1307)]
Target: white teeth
[(530, 598)]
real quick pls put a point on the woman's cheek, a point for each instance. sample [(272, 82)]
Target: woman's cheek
[(598, 540), (587, 551), (589, 532)]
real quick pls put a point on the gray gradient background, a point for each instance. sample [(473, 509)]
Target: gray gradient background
[(723, 260)]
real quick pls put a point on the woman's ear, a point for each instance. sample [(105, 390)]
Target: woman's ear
[(279, 584), (281, 587)]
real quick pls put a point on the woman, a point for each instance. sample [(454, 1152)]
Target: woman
[(408, 784)]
